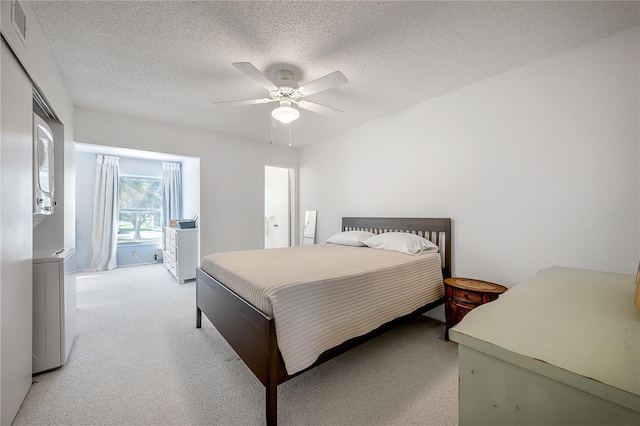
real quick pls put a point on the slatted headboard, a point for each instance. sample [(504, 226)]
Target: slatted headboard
[(437, 230)]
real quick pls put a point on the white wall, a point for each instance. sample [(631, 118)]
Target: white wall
[(537, 166), (190, 187), (231, 171)]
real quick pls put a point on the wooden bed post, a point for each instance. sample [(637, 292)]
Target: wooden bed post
[(272, 377)]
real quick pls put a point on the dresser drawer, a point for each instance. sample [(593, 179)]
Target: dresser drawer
[(181, 246), (467, 296), (170, 253)]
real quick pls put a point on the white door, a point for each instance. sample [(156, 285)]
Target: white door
[(277, 188), (16, 244)]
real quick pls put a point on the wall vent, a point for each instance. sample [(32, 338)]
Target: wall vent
[(19, 20)]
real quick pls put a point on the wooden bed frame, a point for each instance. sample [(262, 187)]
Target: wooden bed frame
[(252, 334)]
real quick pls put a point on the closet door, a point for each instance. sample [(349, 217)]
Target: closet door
[(16, 235)]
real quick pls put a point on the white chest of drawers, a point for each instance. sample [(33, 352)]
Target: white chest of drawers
[(181, 253)]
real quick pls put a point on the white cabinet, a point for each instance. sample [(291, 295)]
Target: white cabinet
[(54, 309), (181, 253)]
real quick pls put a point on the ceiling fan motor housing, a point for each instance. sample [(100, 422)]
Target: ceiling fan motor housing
[(287, 88), (285, 101)]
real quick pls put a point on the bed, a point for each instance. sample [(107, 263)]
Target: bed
[(251, 330), (560, 348)]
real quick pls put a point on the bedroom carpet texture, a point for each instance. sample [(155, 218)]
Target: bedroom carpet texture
[(139, 360)]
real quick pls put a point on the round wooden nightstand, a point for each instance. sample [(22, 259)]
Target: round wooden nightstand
[(463, 295)]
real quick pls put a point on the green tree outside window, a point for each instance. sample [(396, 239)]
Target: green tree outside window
[(140, 216)]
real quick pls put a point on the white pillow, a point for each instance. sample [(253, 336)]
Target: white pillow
[(403, 242), (350, 238)]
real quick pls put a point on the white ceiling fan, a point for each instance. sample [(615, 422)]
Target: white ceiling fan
[(286, 91)]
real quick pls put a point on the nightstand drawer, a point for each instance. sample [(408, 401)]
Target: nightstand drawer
[(460, 309), (467, 296)]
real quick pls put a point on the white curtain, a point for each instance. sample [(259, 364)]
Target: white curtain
[(104, 235), (172, 197)]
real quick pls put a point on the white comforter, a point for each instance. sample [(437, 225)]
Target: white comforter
[(323, 295)]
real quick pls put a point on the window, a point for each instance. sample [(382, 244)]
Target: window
[(140, 215)]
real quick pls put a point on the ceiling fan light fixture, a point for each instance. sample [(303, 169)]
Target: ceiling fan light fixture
[(285, 114)]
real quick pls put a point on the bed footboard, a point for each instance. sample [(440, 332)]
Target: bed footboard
[(249, 332)]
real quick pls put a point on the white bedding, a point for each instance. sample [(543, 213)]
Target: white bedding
[(325, 294)]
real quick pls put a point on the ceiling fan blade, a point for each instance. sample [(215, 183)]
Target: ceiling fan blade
[(320, 109), (246, 102), (329, 81), (254, 74)]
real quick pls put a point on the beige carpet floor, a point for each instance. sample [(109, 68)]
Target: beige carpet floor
[(139, 360)]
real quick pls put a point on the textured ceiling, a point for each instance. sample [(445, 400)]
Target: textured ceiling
[(169, 61)]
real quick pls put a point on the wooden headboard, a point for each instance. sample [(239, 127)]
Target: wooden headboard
[(437, 230)]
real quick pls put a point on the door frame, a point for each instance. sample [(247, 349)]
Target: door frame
[(293, 199)]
